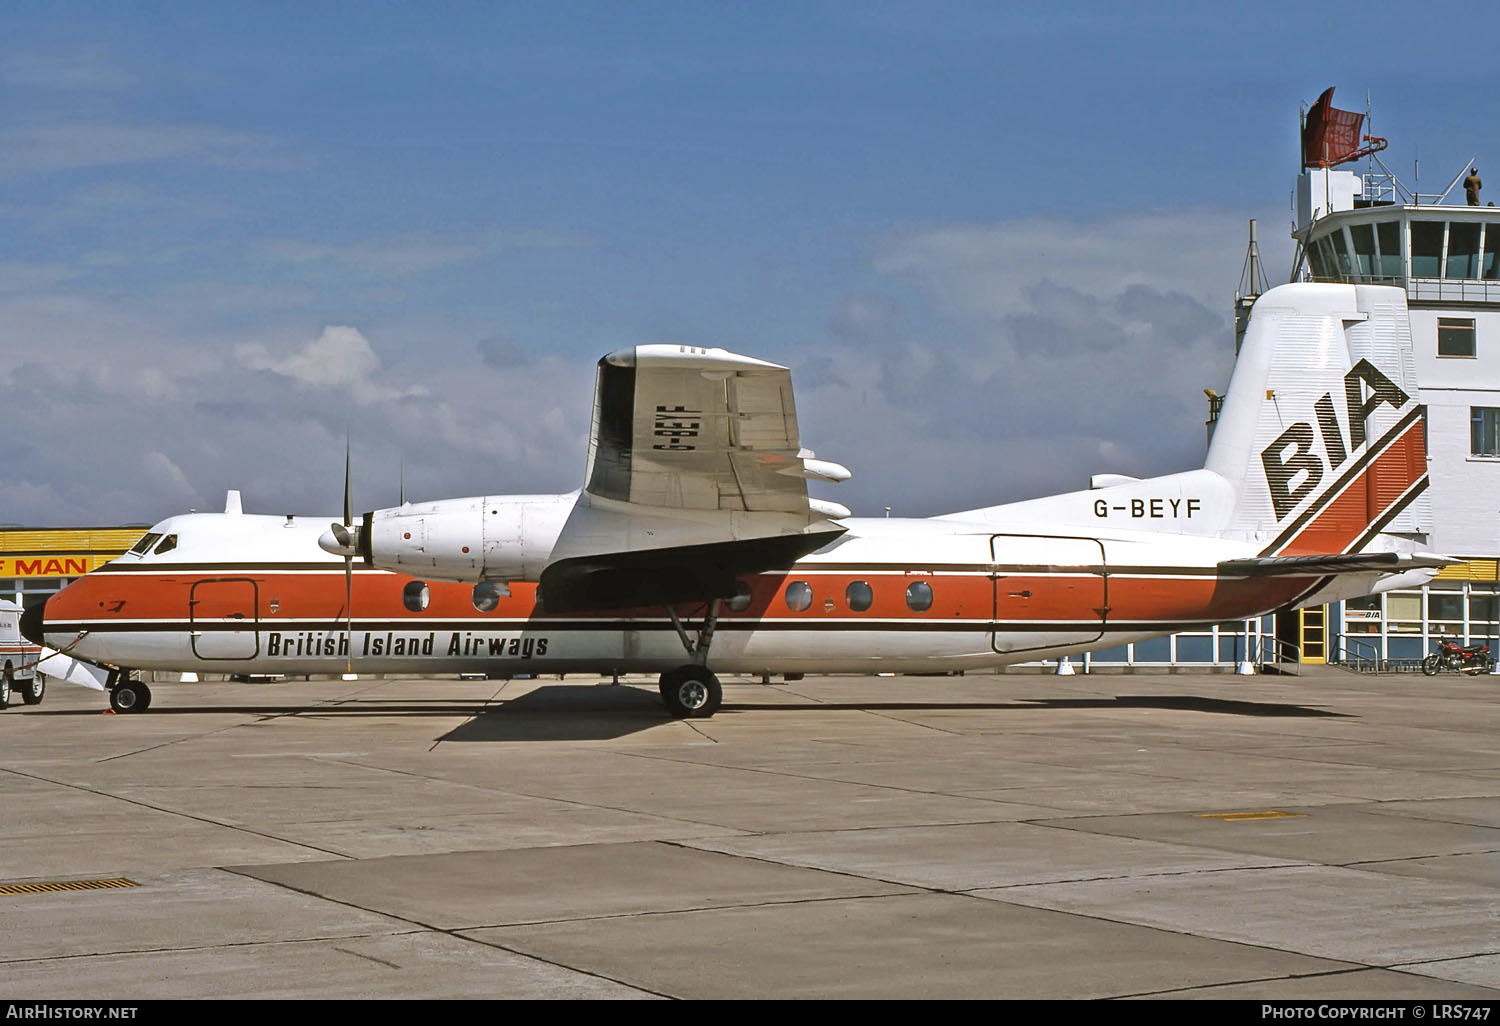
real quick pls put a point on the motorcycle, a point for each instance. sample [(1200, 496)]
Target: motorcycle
[(1459, 658)]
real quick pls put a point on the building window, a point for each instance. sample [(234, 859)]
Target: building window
[(1388, 237), (1484, 431), (1426, 248), (1363, 236), (1463, 250), (1403, 612), (1456, 336)]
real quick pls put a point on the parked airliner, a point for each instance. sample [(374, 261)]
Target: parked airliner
[(693, 547)]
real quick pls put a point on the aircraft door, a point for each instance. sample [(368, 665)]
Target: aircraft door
[(225, 621), (1049, 591)]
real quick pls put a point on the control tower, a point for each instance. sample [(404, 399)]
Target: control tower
[(1445, 252)]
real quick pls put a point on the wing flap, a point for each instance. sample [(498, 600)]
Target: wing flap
[(1323, 565)]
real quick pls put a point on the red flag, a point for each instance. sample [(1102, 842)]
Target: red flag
[(1330, 136)]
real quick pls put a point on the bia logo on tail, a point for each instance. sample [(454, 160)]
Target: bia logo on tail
[(1293, 450)]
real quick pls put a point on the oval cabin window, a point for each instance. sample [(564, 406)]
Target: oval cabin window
[(486, 596), (859, 596), (798, 596), (919, 596), (415, 596)]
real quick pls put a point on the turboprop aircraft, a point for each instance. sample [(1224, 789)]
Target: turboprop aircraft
[(693, 546)]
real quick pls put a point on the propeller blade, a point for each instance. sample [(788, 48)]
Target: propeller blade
[(348, 502)]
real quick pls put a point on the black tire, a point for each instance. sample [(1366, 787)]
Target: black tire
[(691, 692), (5, 686), (1431, 665), (131, 696), (32, 693)]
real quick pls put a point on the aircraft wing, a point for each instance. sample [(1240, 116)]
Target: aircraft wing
[(681, 427), (1324, 565), (696, 473)]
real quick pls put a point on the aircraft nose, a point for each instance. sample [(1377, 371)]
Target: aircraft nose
[(33, 623)]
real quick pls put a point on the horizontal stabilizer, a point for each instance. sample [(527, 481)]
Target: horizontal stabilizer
[(1323, 565)]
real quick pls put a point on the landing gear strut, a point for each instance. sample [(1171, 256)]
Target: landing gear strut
[(127, 695), (691, 691)]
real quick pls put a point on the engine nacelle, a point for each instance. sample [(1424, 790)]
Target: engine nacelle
[(484, 537)]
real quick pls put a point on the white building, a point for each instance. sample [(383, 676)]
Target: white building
[(1447, 257)]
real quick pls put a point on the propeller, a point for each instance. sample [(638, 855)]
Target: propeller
[(342, 539)]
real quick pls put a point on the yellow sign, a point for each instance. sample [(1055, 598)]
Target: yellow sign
[(50, 565)]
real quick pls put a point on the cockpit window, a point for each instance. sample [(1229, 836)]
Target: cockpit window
[(143, 546), (167, 544)]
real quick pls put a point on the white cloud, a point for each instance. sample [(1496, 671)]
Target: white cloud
[(1042, 351), (339, 358), (166, 475)]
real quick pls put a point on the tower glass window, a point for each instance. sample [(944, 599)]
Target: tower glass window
[(1388, 235), (1426, 248), (1463, 250)]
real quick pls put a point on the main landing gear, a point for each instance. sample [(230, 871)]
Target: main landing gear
[(691, 691), (127, 695)]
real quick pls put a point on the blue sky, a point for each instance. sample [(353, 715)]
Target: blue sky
[(996, 244)]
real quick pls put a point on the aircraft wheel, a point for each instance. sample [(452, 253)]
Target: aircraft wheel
[(32, 693), (691, 692), (1431, 664), (131, 696)]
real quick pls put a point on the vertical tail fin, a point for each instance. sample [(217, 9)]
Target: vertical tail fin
[(1322, 434)]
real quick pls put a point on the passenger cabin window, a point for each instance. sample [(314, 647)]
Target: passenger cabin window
[(415, 596), (1426, 249), (1484, 431), (485, 597), (798, 596), (919, 596), (167, 544), (859, 595), (1456, 336), (143, 546), (740, 600)]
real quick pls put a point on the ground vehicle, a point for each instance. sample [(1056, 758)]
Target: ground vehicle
[(18, 659), (1460, 658)]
